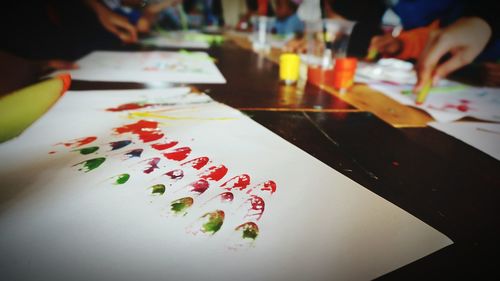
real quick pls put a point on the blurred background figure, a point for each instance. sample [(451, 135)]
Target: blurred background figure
[(287, 21)]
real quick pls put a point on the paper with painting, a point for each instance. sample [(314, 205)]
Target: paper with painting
[(448, 101), (152, 66), (170, 185)]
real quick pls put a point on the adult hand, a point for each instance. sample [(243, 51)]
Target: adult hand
[(463, 40)]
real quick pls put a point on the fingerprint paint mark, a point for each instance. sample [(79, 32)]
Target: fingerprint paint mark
[(153, 164), (180, 206), (214, 173), (121, 179), (175, 174), (134, 153), (249, 230), (197, 163), (178, 154), (257, 206), (79, 142), (147, 131), (239, 182), (266, 186), (119, 144), (163, 146), (213, 221), (199, 186), (91, 164), (87, 150), (157, 189)]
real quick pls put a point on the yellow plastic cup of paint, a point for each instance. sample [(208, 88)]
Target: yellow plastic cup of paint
[(289, 68)]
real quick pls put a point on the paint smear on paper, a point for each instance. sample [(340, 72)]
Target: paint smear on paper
[(87, 150), (214, 173), (158, 189), (248, 230), (181, 205), (147, 131), (119, 144), (134, 153), (89, 165), (199, 186), (153, 164), (239, 182), (163, 146), (129, 106), (213, 221), (175, 174), (178, 154), (197, 163), (257, 206), (79, 142), (266, 186), (121, 179)]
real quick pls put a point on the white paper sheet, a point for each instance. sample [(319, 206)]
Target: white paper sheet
[(448, 101), (153, 66), (59, 223), (483, 136)]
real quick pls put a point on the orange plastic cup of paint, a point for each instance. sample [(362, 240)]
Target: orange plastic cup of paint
[(343, 73)]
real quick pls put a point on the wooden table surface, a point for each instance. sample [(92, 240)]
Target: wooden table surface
[(442, 181)]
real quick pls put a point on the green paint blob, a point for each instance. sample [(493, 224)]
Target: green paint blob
[(250, 230), (181, 205), (91, 164), (214, 223), (121, 179), (87, 150), (158, 189)]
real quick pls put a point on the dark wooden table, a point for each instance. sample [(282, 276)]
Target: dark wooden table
[(442, 181)]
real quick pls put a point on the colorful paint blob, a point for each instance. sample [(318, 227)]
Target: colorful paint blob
[(163, 146), (134, 153), (153, 164), (239, 182), (89, 165), (178, 154), (214, 173), (175, 174), (197, 163), (121, 179), (147, 131), (158, 189), (128, 106), (199, 186), (257, 206), (87, 150), (79, 142), (249, 230), (181, 205), (214, 221), (119, 144)]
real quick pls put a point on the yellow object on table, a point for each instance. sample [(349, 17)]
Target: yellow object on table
[(289, 68)]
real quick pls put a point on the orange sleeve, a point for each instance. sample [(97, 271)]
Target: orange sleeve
[(414, 41), (262, 7)]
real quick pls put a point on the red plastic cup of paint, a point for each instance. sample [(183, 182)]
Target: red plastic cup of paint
[(343, 73), (319, 76)]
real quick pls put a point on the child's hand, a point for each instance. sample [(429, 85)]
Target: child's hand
[(386, 45)]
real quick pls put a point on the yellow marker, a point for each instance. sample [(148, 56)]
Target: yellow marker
[(289, 68), (372, 54), (19, 109), (422, 95)]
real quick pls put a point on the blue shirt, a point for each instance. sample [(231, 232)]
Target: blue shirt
[(291, 24)]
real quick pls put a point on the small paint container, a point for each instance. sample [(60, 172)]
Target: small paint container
[(344, 71), (289, 68)]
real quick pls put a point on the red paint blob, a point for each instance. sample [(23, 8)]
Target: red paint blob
[(153, 164), (257, 206), (128, 106), (214, 173), (175, 174), (226, 197), (239, 182), (197, 163), (147, 131), (178, 154), (79, 142), (163, 146), (269, 186), (199, 186)]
